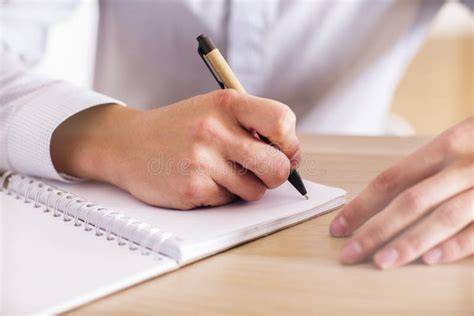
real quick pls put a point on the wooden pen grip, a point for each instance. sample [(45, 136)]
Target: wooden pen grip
[(226, 74)]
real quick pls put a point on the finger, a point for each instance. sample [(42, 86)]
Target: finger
[(238, 181), (270, 165), (232, 142), (455, 248), (269, 118), (218, 195), (405, 210), (445, 221), (421, 164), (203, 191)]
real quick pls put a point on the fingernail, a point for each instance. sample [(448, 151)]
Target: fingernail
[(433, 256), (338, 226), (386, 258), (351, 252)]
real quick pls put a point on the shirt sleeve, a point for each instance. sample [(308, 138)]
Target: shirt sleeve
[(33, 106)]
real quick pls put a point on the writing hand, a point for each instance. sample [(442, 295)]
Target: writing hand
[(196, 152)]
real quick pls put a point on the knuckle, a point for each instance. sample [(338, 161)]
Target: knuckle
[(450, 216), (413, 200), (225, 98), (207, 130), (373, 238), (285, 122), (386, 181), (455, 139), (407, 212), (246, 149)]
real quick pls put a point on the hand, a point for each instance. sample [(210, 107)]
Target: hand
[(200, 151), (422, 206)]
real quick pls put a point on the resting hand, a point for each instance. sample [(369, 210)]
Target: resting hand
[(422, 206), (199, 151)]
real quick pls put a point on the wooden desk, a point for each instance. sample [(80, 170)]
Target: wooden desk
[(296, 271)]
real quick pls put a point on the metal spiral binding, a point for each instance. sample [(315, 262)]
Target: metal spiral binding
[(34, 191)]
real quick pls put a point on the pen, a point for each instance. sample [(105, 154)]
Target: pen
[(226, 78)]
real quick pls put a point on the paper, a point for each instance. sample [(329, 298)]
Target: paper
[(49, 265)]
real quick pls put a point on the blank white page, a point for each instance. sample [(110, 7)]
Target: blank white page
[(49, 265)]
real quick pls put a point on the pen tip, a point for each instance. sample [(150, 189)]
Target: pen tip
[(306, 196)]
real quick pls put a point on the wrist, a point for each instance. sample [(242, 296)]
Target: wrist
[(88, 145)]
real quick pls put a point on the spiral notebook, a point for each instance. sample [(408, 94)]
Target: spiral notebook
[(63, 245)]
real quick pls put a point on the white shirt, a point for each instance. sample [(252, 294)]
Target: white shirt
[(335, 63)]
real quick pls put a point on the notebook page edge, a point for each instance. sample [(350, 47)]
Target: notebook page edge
[(191, 251)]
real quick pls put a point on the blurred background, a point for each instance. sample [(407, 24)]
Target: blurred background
[(436, 92)]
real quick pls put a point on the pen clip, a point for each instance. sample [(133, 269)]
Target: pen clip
[(203, 57)]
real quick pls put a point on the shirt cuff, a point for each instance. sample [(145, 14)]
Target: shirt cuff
[(29, 134)]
